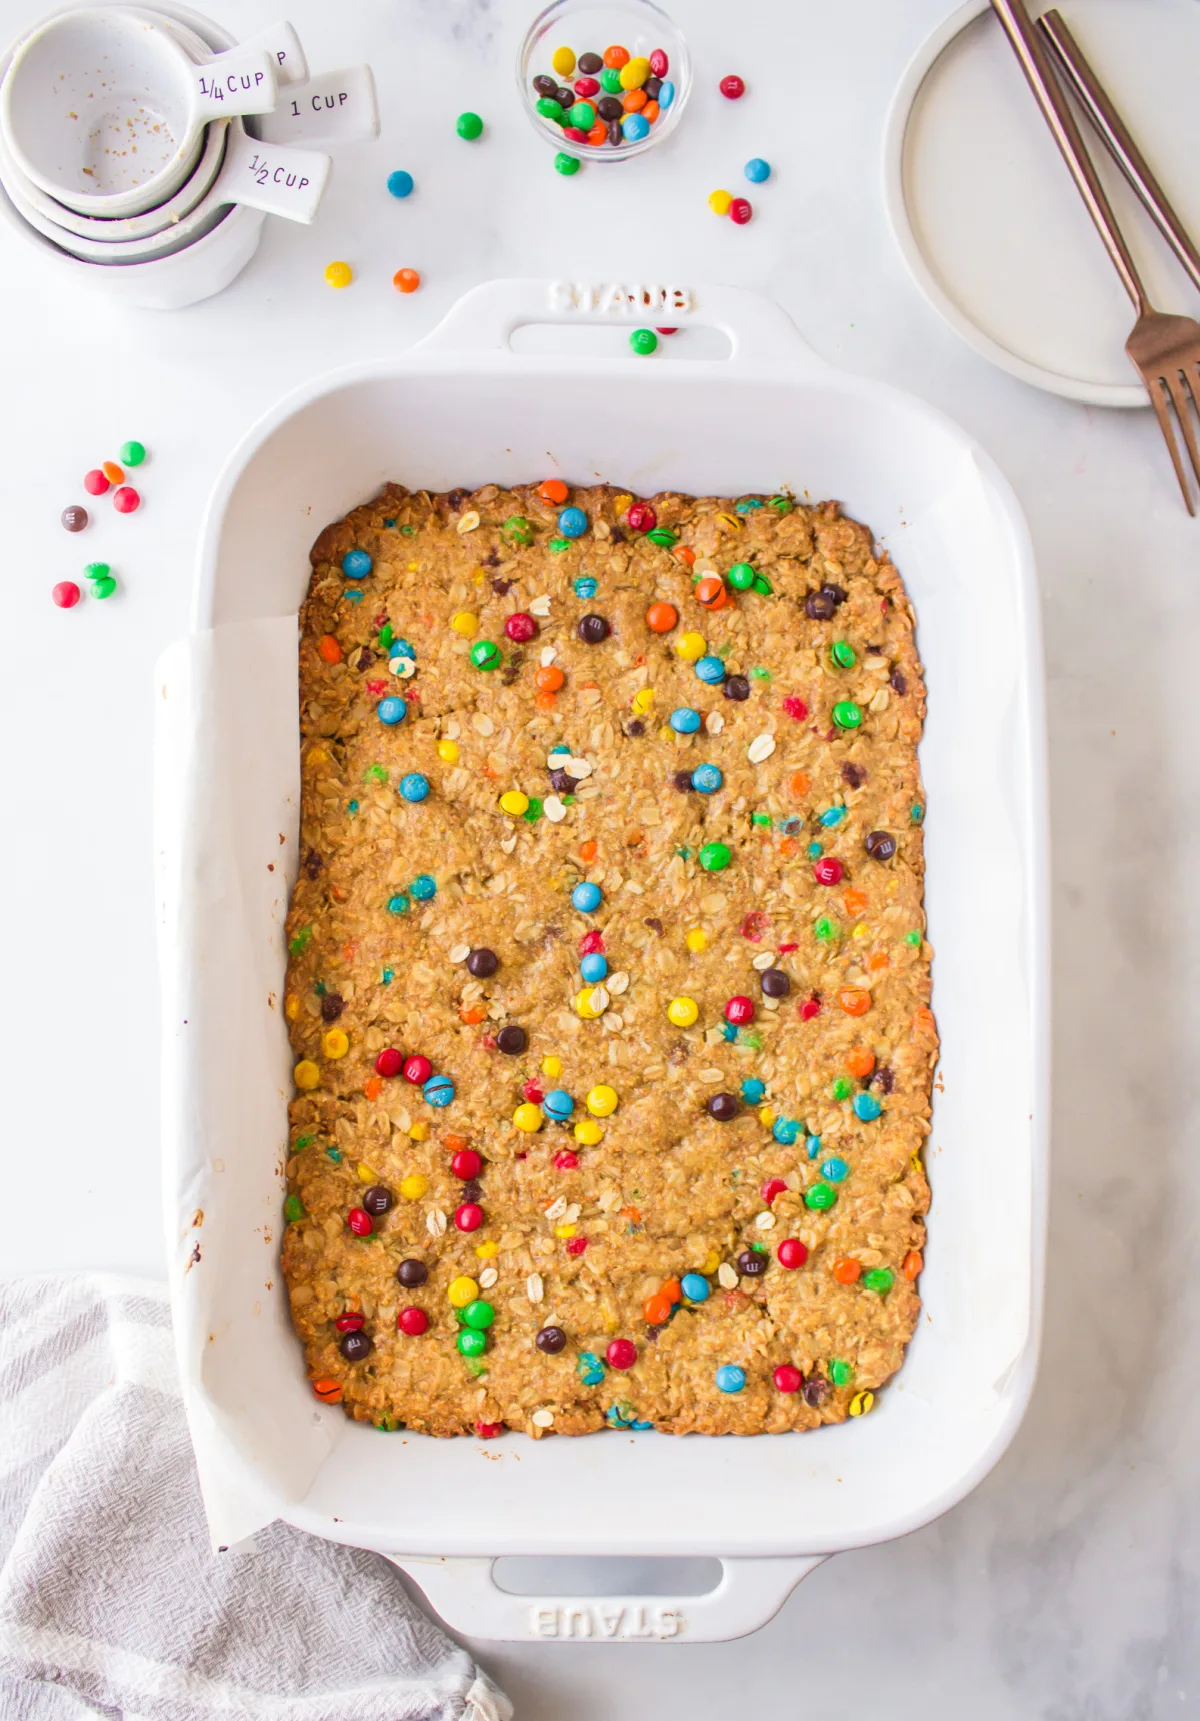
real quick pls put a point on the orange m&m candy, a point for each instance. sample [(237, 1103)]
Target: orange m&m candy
[(114, 473), (553, 490), (661, 618), (650, 112), (329, 648), (854, 1001), (633, 101), (912, 1264), (548, 679), (847, 1270), (406, 280), (860, 1062), (616, 57), (711, 592), (329, 1391), (598, 134), (657, 1309)]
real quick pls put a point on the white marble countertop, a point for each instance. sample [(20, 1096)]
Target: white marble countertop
[(1065, 1586)]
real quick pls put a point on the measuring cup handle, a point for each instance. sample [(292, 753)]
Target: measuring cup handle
[(241, 81), (289, 182)]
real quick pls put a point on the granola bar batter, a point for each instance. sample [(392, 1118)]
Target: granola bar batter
[(645, 1152)]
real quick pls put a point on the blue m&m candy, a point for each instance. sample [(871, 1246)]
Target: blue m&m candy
[(439, 1090), (423, 887), (730, 1378), (572, 522), (707, 779), (586, 897), (786, 1131), (398, 904), (684, 721), (585, 586), (402, 648), (356, 564), (834, 1170), (635, 127), (414, 786), (866, 1107), (711, 670), (695, 1287), (666, 94), (594, 967), (400, 184), (391, 710), (756, 169), (558, 1104), (812, 1146), (753, 1090)]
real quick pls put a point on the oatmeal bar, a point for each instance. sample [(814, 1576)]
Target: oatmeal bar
[(608, 986)]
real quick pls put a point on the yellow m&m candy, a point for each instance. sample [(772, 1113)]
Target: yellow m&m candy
[(528, 1117), (465, 622), (448, 750), (462, 1291), (691, 647), (682, 1012), (588, 1133), (306, 1074), (414, 1186), (697, 940), (339, 274), (514, 803), (336, 1043), (602, 1101), (719, 202), (563, 61)]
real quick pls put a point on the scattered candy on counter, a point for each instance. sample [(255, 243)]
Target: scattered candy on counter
[(66, 594), (338, 274), (732, 87), (75, 518), (406, 280), (643, 341), (400, 183), (469, 126), (757, 170)]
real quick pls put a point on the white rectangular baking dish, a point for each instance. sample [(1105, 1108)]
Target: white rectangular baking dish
[(463, 408)]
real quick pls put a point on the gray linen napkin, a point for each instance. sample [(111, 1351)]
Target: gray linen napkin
[(111, 1601)]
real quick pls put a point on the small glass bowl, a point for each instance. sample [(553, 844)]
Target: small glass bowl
[(590, 26)]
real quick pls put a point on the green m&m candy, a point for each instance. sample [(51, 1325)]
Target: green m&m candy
[(132, 453), (479, 1315), (550, 109), (741, 576), (840, 1373), (820, 1197), (842, 655), (842, 1088), (485, 654), (471, 1342), (846, 714), (582, 116), (610, 81), (643, 341), (714, 857), (566, 165), (293, 1209), (879, 1279), (469, 125)]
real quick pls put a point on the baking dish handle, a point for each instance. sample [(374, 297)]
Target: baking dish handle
[(465, 1594), (760, 332)]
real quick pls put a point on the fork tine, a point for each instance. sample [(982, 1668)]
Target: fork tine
[(1164, 424), (1181, 395)]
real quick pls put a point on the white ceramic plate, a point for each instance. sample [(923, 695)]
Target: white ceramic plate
[(985, 213)]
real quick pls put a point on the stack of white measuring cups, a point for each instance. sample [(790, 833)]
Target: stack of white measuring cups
[(141, 149)]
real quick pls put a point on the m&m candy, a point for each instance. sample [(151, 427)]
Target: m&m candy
[(469, 126), (406, 280), (757, 170), (338, 274), (126, 499), (400, 183), (414, 786), (65, 594), (586, 897), (438, 1091), (356, 564), (730, 1378), (732, 87)]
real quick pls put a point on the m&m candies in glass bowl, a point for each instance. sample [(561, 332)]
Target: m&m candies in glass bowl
[(603, 82)]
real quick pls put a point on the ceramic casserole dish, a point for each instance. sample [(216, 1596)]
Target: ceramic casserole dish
[(464, 408)]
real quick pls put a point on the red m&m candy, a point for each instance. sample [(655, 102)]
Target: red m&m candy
[(469, 1216), (466, 1164), (126, 499), (771, 1188), (791, 1253), (349, 1323), (828, 870), (740, 211), (732, 86), (417, 1070), (359, 1222), (488, 1430), (414, 1322), (621, 1353), (94, 482), (521, 627), (641, 517), (787, 1378), (659, 63), (566, 1160), (739, 1010), (65, 594), (389, 1062), (591, 943)]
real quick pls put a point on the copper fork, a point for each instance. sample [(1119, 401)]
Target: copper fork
[(1165, 350)]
